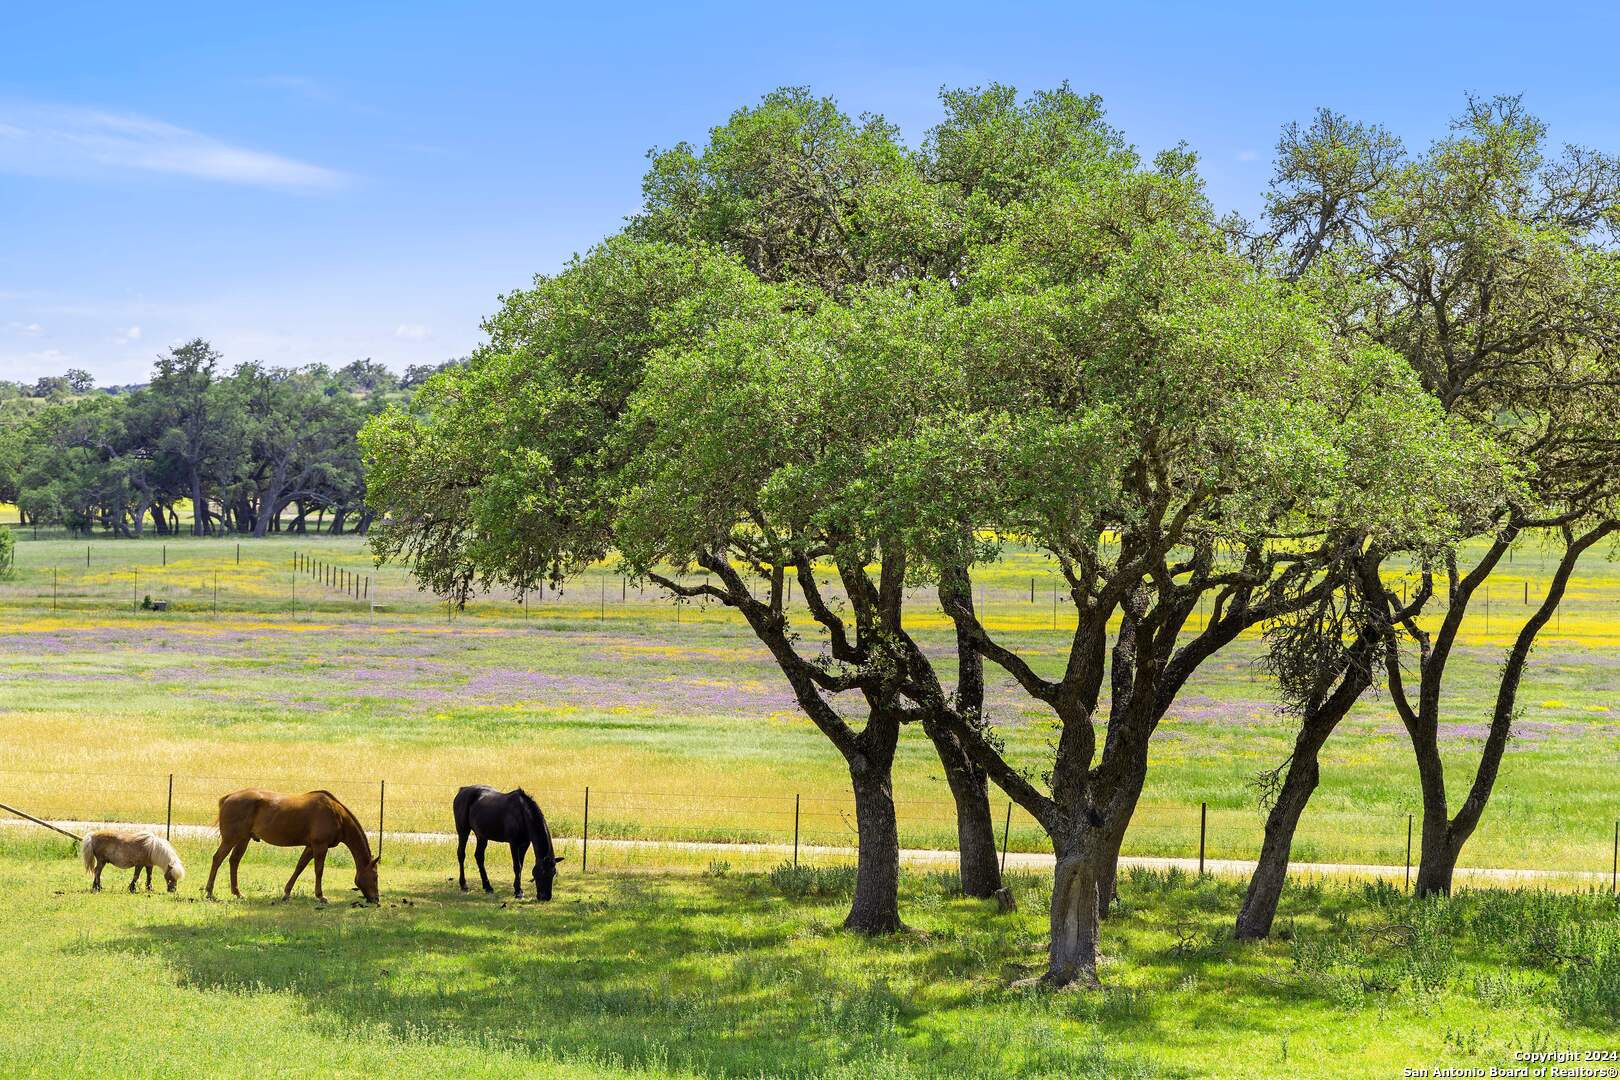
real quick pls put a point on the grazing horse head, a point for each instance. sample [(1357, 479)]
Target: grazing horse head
[(365, 878), (545, 874), (164, 855), (545, 853)]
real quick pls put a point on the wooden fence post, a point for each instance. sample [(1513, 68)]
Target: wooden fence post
[(795, 831), (382, 799), (168, 814), (585, 840)]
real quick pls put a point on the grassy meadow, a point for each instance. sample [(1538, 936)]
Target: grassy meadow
[(722, 970), (664, 962), (677, 721)]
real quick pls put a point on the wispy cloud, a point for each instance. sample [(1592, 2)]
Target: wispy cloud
[(56, 140), (412, 332), (128, 336)]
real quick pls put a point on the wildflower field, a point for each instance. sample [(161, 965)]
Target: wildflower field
[(674, 717)]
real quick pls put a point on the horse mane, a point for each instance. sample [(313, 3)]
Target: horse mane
[(538, 829), (354, 834), (164, 855)]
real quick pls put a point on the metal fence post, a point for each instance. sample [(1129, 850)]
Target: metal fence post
[(382, 799), (1203, 829), (795, 831), (1006, 831), (168, 814), (1408, 885), (1614, 879), (585, 840)]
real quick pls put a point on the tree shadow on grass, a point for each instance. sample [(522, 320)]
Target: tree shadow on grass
[(726, 977), (701, 976)]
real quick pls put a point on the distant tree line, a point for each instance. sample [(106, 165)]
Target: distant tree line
[(252, 450)]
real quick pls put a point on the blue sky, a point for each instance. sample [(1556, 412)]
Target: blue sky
[(302, 182)]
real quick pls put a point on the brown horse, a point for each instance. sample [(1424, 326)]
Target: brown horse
[(315, 820)]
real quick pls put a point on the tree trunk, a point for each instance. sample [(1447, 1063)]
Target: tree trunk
[(269, 510), (1438, 858), (1072, 952), (978, 864), (876, 907), (199, 512), (1266, 884)]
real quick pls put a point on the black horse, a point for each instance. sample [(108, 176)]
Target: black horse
[(510, 817)]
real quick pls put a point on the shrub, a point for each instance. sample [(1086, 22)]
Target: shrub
[(818, 882)]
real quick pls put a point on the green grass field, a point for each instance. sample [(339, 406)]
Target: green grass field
[(663, 962), (722, 971), (675, 718)]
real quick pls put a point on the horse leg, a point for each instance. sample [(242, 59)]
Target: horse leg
[(136, 880), (219, 857), (478, 857), (519, 848), (236, 860), (461, 856), (320, 868), (148, 879), (303, 861), (95, 886)]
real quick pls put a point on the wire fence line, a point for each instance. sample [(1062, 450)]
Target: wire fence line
[(783, 820)]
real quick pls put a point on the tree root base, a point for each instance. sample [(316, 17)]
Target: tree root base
[(1049, 980)]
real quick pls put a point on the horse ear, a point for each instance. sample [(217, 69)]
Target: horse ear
[(560, 858), (376, 862)]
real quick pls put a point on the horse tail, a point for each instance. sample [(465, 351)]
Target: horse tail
[(87, 852)]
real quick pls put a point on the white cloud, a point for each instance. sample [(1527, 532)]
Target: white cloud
[(132, 334), (52, 140), (31, 329), (412, 332), (1247, 155)]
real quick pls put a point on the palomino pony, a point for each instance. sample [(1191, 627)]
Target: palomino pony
[(125, 848), (315, 820), (511, 818)]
